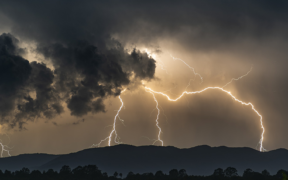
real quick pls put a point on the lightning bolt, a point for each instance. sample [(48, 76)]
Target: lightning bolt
[(157, 104), (154, 140), (113, 131), (186, 92), (236, 79), (223, 90), (161, 64), (4, 148), (147, 89), (157, 120), (191, 68)]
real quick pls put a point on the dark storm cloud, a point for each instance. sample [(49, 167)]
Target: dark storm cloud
[(201, 24), (206, 22), (89, 64), (15, 72), (227, 26), (83, 77), (85, 74), (18, 79), (47, 101)]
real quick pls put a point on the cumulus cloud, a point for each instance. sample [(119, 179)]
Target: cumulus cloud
[(15, 72), (19, 79), (83, 77)]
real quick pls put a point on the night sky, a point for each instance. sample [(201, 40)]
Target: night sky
[(63, 65)]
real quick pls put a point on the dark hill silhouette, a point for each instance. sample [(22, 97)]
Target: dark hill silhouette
[(32, 161), (200, 160)]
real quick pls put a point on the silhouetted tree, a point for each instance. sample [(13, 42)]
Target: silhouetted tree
[(230, 172), (130, 175), (23, 173), (65, 172), (25, 170), (159, 174), (173, 173), (137, 176), (17, 174), (51, 174), (115, 174), (285, 176), (182, 173), (248, 173), (36, 174), (147, 176), (86, 172), (91, 172), (219, 173), (7, 174), (78, 172), (105, 175), (280, 174), (266, 173)]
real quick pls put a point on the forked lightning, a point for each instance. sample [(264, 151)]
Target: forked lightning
[(147, 89), (113, 131), (157, 120), (223, 90), (4, 148)]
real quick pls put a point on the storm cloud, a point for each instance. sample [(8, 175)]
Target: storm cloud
[(19, 79), (90, 51), (83, 76)]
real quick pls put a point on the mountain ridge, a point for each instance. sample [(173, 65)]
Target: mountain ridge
[(199, 160)]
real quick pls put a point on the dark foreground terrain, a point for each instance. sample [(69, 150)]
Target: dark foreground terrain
[(92, 172), (200, 160)]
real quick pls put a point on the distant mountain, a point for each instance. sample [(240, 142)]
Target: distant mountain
[(200, 160), (32, 161)]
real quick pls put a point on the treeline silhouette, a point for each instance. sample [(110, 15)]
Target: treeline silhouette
[(91, 172)]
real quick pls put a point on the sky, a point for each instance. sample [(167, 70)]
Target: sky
[(64, 64)]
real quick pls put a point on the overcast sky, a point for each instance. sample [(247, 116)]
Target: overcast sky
[(63, 65)]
